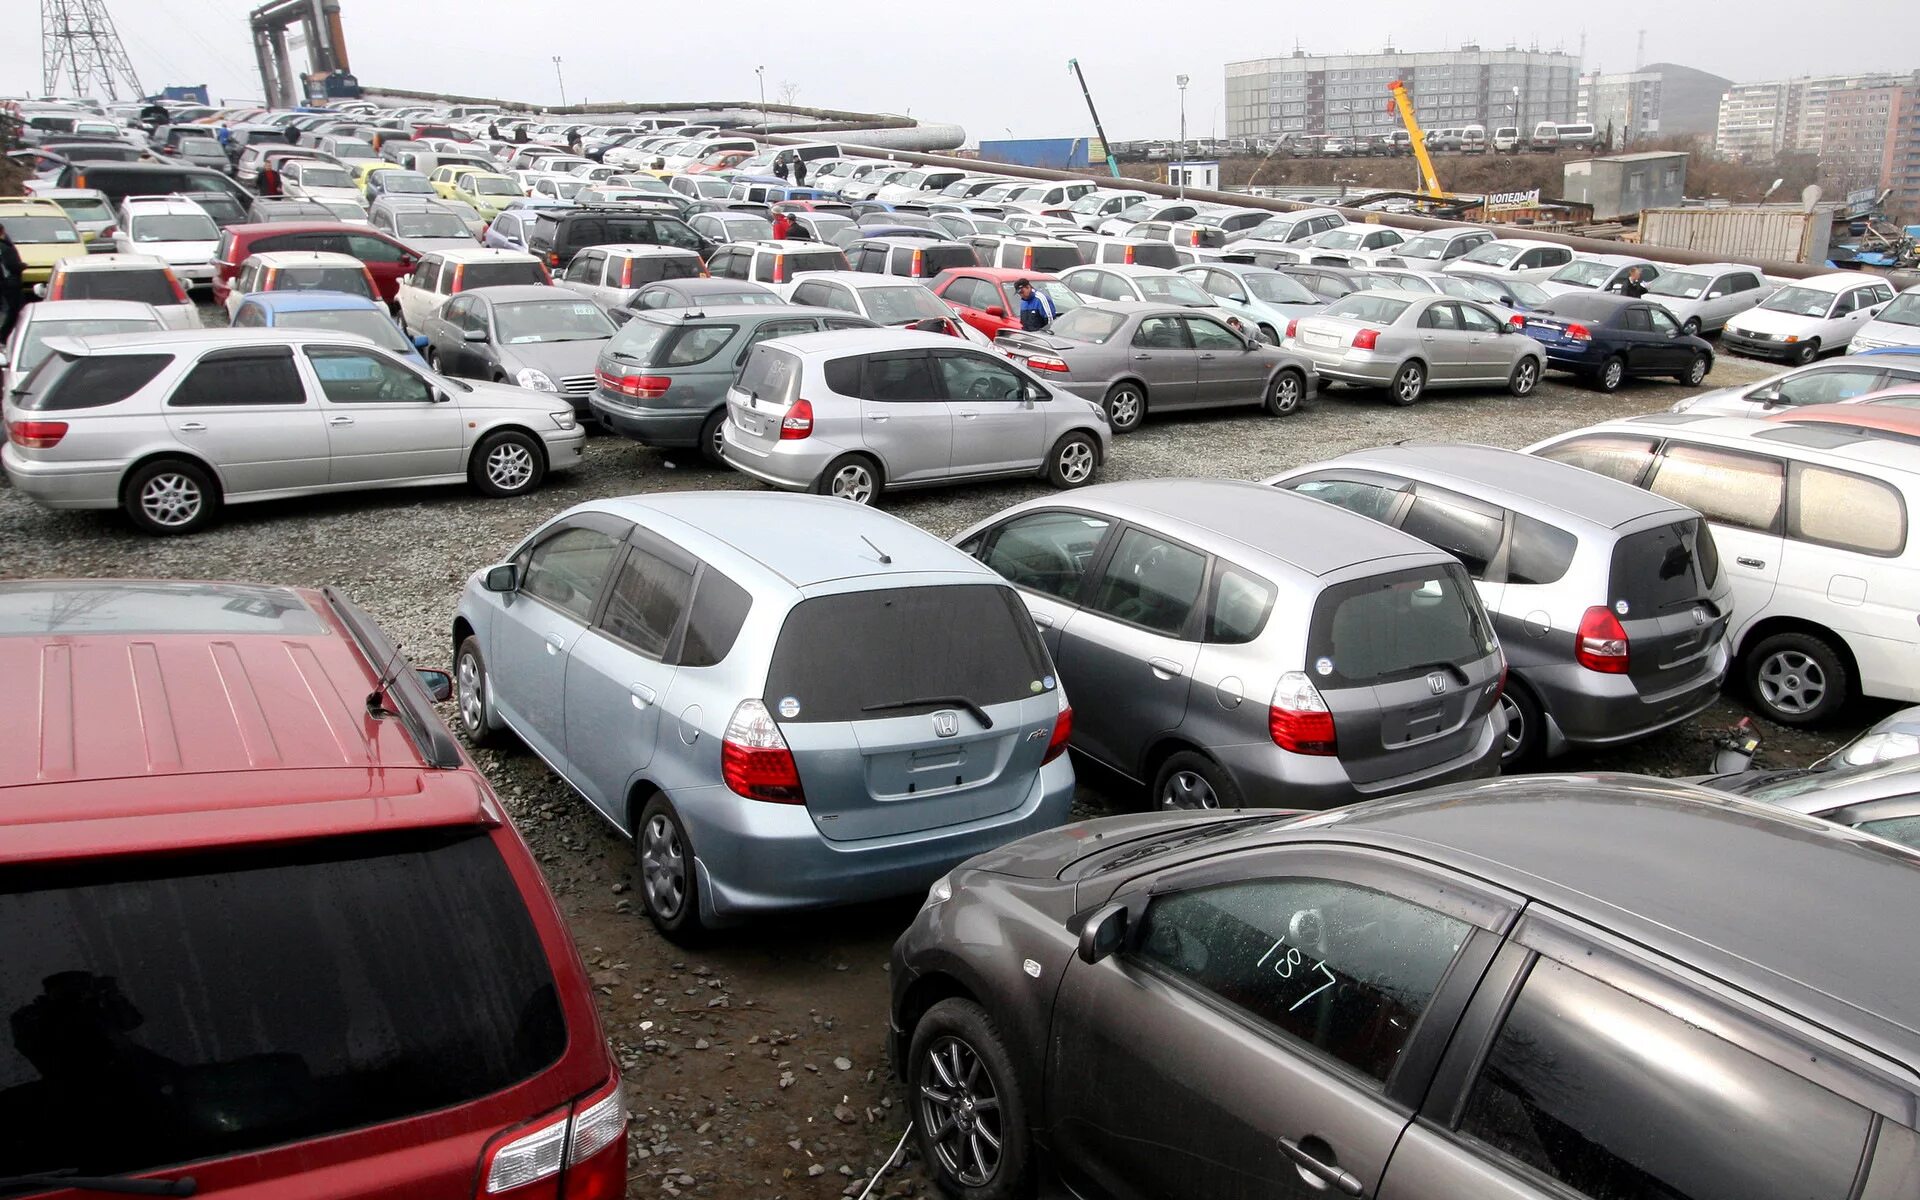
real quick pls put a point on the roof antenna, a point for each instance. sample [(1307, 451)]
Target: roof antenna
[(389, 675), (886, 560)]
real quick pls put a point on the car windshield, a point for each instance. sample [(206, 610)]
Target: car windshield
[(1529, 294), (488, 185), (1905, 310), (1800, 784), (748, 229), (1800, 301), (86, 208), (346, 210), (1374, 310), (430, 225), (1275, 288), (33, 350), (368, 323), (550, 321), (1346, 238), (1173, 289), (567, 189), (348, 148), (827, 227), (174, 227), (405, 183), (1584, 274), (1088, 324), (1430, 248), (41, 231), (148, 285), (332, 177), (1493, 254), (1140, 210), (898, 305), (1684, 285), (351, 280)]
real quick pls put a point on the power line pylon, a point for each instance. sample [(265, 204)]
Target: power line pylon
[(78, 42)]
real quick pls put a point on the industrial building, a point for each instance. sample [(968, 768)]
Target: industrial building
[(1620, 185), (1346, 94)]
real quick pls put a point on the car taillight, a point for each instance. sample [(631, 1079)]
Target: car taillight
[(579, 1152), (553, 258), (59, 288), (36, 435), (779, 268), (1579, 333), (1127, 255), (1026, 259), (1298, 719), (755, 760), (459, 273), (273, 273), (1366, 339), (1601, 643), (173, 281), (111, 231), (798, 422), (626, 273), (1193, 238), (1062, 730), (1293, 328), (918, 258), (640, 387), (1048, 362)]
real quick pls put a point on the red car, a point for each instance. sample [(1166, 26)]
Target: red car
[(255, 899), (985, 299), (387, 258)]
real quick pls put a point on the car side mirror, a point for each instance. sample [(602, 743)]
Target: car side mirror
[(419, 341), (994, 310), (439, 684), (474, 335), (1104, 932), (503, 578)]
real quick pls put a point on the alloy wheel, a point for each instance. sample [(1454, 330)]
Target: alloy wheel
[(1124, 409), (1614, 374), (960, 1109), (1513, 727), (1792, 682), (171, 499), (663, 867), (510, 466), (1076, 462), (1407, 385), (1188, 791), (1697, 371), (1525, 376), (473, 702), (852, 482), (1286, 394)]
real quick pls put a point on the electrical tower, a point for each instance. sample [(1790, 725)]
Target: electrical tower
[(78, 42)]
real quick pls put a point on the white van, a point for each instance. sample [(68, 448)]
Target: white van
[(1473, 139), (1546, 137), (1812, 526), (1577, 137), (1898, 324), (1506, 139)]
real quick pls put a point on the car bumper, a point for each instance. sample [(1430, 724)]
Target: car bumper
[(793, 465), (675, 428), (755, 857), (63, 484), (1586, 708), (193, 274), (1346, 365), (566, 448), (1573, 358), (1753, 347), (1269, 777)]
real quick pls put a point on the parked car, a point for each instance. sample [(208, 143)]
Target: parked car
[(1115, 283), (118, 180), (663, 379), (908, 257), (90, 211), (1347, 659), (795, 744), (268, 210), (397, 183), (1096, 206), (986, 298), (851, 414), (1507, 140), (610, 275), (1263, 300), (334, 312), (686, 293), (731, 226), (1896, 325), (1283, 230), (1098, 248), (537, 336), (1357, 246), (42, 234), (1557, 554), (1607, 339), (26, 348), (449, 272), (105, 424), (1454, 995), (1513, 258), (161, 842), (1599, 273), (1869, 784), (1151, 208), (1894, 414), (318, 179), (487, 191), (776, 264), (300, 271), (1808, 317), (1810, 527), (136, 277), (422, 224), (1432, 249), (176, 231), (1705, 296), (1407, 342), (386, 257), (1026, 252), (1837, 379)]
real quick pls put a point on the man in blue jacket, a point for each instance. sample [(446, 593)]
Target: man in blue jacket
[(1036, 311)]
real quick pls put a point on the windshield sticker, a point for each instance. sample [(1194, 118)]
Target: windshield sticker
[(1323, 666), (789, 707)]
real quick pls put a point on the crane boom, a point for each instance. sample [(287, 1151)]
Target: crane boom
[(1429, 182), (1113, 165)]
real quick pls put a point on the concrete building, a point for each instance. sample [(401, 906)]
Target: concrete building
[(1757, 120), (1857, 136), (1689, 98), (1900, 163), (1625, 108), (1620, 185), (1346, 94), (1816, 93)]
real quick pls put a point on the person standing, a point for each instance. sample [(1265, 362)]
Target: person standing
[(1631, 286), (782, 225), (780, 167), (13, 283), (799, 171), (1036, 311)]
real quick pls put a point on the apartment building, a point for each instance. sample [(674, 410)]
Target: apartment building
[(1627, 105)]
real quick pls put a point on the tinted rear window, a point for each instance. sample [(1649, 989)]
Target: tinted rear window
[(935, 259), (772, 374), (1050, 258), (186, 989), (815, 260), (1667, 567), (1396, 626), (936, 643), (497, 274), (148, 287), (648, 270), (70, 381), (1155, 254)]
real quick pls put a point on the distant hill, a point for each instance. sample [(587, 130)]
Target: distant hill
[(1689, 99)]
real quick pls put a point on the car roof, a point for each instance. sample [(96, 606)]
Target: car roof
[(253, 699), (311, 301), (1128, 269), (713, 284), (1512, 479), (1886, 418), (1838, 281), (522, 293), (1523, 243), (756, 312), (109, 262), (188, 341), (997, 274), (857, 280), (258, 229), (483, 254), (85, 310), (305, 258), (1759, 435), (1626, 853)]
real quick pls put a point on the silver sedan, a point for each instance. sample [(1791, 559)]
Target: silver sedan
[(1409, 341)]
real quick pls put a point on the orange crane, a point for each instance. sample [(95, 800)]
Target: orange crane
[(1429, 182)]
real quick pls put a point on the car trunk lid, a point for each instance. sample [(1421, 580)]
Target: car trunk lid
[(763, 394), (1666, 591)]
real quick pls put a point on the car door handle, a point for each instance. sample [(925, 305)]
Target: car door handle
[(1043, 620), (1205, 355), (876, 416), (1346, 1181), (1427, 337), (339, 420), (642, 695), (1165, 668), (968, 416), (1142, 357), (1755, 563), (192, 427), (555, 643)]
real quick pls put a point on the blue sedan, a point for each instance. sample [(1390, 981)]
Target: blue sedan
[(338, 311), (1607, 338)]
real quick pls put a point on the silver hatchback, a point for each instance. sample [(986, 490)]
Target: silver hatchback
[(1407, 342), (853, 413), (775, 721)]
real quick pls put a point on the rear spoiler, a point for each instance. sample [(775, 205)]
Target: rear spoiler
[(406, 693), (1023, 340)]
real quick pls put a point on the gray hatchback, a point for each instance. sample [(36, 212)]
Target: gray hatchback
[(1234, 644), (775, 721)]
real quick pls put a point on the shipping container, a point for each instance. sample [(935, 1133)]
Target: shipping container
[(1059, 154), (1739, 232)]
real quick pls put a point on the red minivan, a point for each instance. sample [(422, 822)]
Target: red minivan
[(264, 926), (985, 298), (387, 258)]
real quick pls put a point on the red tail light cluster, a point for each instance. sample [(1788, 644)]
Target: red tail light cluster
[(1062, 731), (1048, 362), (798, 422), (1298, 719), (755, 760), (1601, 643), (1366, 339), (1580, 333), (579, 1152), (179, 289), (36, 435), (640, 387), (1293, 327)]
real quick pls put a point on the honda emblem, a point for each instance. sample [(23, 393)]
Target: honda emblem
[(1436, 683), (946, 723), (1699, 616)]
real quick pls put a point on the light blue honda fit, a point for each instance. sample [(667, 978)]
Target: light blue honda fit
[(785, 701)]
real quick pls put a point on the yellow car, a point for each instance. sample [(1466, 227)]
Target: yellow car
[(487, 191), (43, 233), (444, 178), (361, 172)]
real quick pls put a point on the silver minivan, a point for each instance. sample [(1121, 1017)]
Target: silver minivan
[(1232, 644), (775, 721)]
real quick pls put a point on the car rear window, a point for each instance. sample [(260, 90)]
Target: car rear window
[(1663, 568), (352, 280), (658, 267), (148, 287), (1155, 254), (499, 274), (814, 260), (772, 374), (937, 644), (69, 381), (1396, 626), (1051, 259), (186, 988), (935, 259)]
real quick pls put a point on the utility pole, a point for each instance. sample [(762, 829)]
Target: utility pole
[(1113, 164), (761, 72), (562, 80), (1180, 81)]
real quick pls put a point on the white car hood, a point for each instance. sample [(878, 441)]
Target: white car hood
[(1875, 334), (330, 193), (176, 254), (1766, 320)]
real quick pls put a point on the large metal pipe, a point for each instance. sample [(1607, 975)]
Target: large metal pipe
[(336, 36), (263, 55), (289, 93)]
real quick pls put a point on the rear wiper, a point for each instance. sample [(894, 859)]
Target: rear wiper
[(979, 714), (117, 1184)]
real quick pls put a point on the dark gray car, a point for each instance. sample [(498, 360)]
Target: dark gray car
[(1871, 784), (1521, 989), (1608, 600), (1132, 356), (545, 338), (687, 293), (663, 378)]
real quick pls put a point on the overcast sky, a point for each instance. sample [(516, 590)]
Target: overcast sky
[(993, 68)]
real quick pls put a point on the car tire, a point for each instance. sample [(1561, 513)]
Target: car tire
[(1806, 352), (170, 497), (1271, 335), (852, 477), (1125, 405), (1523, 732), (1525, 377), (1797, 678), (710, 436), (955, 1061), (470, 694), (1285, 394), (1190, 781), (507, 463), (1692, 327), (1408, 383), (433, 361), (1611, 374), (1696, 372), (1073, 461), (669, 884)]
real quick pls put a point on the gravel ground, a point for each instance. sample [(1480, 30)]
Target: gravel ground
[(758, 1066)]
